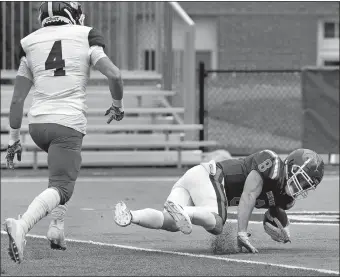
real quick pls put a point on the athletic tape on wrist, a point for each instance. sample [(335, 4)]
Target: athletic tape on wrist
[(14, 135), (117, 103)]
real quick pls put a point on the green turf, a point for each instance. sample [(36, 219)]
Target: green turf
[(91, 260), (312, 246)]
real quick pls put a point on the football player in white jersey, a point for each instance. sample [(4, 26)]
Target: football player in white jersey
[(56, 59)]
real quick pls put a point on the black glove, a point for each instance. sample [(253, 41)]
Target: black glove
[(115, 113), (11, 151)]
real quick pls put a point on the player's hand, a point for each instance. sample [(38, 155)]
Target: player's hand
[(279, 234), (115, 113), (11, 151), (243, 241)]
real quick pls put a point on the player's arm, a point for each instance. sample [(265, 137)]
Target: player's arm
[(103, 64), (22, 86), (113, 75), (252, 189)]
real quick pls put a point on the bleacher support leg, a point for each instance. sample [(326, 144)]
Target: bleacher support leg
[(35, 160), (179, 157)]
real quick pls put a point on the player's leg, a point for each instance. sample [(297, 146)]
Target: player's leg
[(64, 161), (40, 206), (206, 191), (64, 164), (152, 218), (55, 233), (175, 217)]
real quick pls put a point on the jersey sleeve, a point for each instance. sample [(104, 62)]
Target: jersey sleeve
[(267, 164), (24, 70), (95, 38), (96, 53)]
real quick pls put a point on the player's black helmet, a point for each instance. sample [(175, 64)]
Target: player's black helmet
[(304, 170), (60, 12)]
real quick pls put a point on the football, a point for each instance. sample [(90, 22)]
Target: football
[(278, 213)]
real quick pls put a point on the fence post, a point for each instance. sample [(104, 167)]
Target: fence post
[(123, 34), (167, 54), (201, 76)]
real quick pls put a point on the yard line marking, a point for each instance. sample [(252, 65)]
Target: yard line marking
[(114, 178), (190, 254)]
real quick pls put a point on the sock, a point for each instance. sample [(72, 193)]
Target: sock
[(201, 216), (43, 204), (58, 215), (148, 218)]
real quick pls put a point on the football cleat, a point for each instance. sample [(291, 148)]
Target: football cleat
[(181, 218), (56, 236), (122, 215), (17, 240)]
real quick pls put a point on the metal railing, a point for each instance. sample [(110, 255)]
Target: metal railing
[(183, 63)]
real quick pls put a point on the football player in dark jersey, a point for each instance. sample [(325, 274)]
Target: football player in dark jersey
[(201, 196)]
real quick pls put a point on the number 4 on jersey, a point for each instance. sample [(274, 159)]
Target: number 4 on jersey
[(55, 59)]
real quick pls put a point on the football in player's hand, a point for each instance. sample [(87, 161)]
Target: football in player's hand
[(276, 212)]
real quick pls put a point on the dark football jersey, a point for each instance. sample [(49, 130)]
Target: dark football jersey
[(269, 165)]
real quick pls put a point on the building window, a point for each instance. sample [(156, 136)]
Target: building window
[(149, 60), (331, 30), (331, 63)]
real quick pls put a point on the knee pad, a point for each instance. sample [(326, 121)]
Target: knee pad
[(218, 227), (65, 189), (169, 224)]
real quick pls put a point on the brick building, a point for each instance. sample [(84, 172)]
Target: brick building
[(264, 35)]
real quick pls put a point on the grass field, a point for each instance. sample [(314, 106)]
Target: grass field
[(97, 246)]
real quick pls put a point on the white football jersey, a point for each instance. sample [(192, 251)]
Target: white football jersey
[(59, 58)]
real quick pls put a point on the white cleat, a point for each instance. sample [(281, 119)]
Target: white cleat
[(56, 237), (122, 215), (181, 218), (17, 240)]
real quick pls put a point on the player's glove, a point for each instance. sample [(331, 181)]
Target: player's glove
[(11, 151), (243, 241), (116, 113)]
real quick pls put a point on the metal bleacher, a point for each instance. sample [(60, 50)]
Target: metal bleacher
[(153, 132), (149, 135)]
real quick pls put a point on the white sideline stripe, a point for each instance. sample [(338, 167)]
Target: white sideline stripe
[(336, 224), (189, 254), (95, 179), (115, 178), (299, 212)]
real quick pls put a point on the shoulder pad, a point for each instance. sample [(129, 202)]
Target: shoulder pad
[(268, 164), (95, 38)]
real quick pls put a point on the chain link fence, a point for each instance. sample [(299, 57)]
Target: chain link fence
[(247, 111)]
